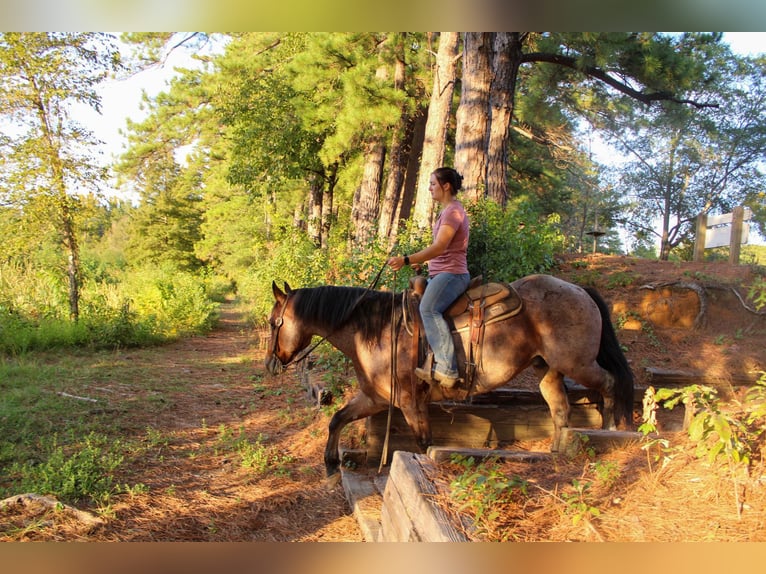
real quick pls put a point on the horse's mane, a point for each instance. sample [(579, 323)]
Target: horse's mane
[(335, 307)]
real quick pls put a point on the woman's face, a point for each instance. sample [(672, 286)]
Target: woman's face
[(438, 192)]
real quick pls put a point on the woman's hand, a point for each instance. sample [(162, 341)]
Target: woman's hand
[(396, 262)]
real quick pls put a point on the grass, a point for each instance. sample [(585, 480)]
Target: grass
[(68, 420)]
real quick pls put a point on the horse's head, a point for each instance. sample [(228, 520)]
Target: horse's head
[(287, 336)]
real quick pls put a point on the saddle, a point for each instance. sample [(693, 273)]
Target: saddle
[(480, 305)]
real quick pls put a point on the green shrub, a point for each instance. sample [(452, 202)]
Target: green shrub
[(131, 308), (509, 243), (71, 474)]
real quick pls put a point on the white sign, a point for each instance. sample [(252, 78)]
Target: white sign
[(721, 236), (718, 232)]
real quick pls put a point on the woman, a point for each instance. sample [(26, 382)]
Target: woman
[(448, 274)]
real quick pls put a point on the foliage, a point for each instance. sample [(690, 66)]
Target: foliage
[(256, 455), (757, 292), (681, 161), (132, 307), (481, 488), (71, 474), (735, 435), (46, 162), (507, 244)]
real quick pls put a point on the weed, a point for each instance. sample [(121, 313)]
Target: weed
[(482, 487), (646, 327), (607, 472), (736, 434), (620, 279), (72, 474), (577, 503)]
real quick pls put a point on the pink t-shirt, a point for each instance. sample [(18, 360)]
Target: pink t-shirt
[(454, 259)]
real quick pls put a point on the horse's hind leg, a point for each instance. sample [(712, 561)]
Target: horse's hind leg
[(554, 393), (358, 407), (594, 377)]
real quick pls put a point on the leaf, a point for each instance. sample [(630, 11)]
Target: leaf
[(697, 428)]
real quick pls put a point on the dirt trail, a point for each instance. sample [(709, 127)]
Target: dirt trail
[(198, 487)]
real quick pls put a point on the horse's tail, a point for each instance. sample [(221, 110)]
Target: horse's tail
[(611, 358)]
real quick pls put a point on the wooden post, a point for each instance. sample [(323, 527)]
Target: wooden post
[(737, 217), (699, 242)]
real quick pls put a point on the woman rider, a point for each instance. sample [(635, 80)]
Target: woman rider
[(448, 275)]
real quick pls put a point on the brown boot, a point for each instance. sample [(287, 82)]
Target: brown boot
[(435, 376)]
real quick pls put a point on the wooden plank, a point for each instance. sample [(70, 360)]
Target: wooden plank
[(598, 439), (429, 521), (474, 426), (659, 377), (365, 502), (395, 522), (444, 453)]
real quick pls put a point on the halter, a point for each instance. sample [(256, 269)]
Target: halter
[(275, 335)]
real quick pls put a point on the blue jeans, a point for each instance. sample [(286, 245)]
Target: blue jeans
[(442, 290)]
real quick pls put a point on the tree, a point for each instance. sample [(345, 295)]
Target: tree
[(684, 162), (439, 112), (574, 69), (47, 158), (472, 118)]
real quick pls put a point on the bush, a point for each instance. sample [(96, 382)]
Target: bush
[(507, 244), (84, 474), (131, 308)]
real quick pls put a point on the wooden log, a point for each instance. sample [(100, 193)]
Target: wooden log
[(408, 514), (478, 425), (659, 377), (444, 454), (31, 498), (600, 440), (365, 502)]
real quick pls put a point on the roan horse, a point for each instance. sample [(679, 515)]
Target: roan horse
[(562, 330)]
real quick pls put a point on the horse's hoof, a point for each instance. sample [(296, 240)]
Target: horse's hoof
[(332, 481)]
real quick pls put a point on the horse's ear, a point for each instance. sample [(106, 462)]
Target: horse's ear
[(278, 295), (287, 288)]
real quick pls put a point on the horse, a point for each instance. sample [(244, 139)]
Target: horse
[(562, 330)]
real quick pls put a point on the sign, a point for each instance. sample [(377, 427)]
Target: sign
[(718, 232), (721, 236)]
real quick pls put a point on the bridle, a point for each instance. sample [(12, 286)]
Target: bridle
[(275, 336)]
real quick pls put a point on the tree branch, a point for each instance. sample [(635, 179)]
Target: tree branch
[(599, 74)]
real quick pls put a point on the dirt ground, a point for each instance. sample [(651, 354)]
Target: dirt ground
[(197, 491)]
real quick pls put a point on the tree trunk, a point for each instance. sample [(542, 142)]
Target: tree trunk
[(328, 195), (367, 199), (505, 67), (413, 160), (73, 258), (473, 114), (314, 226), (439, 112), (397, 160)]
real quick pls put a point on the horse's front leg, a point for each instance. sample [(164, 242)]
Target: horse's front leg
[(415, 411), (358, 407)]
